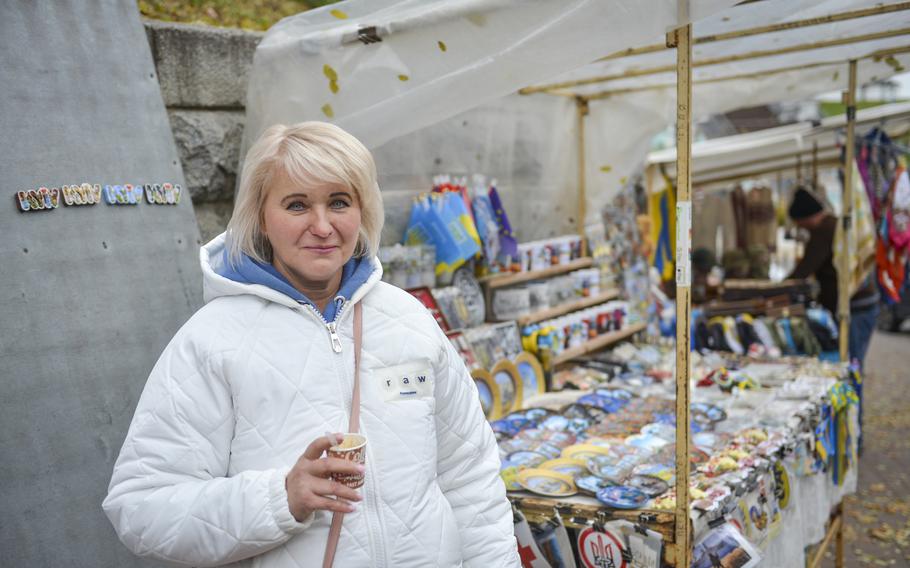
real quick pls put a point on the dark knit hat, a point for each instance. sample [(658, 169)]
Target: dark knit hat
[(805, 204)]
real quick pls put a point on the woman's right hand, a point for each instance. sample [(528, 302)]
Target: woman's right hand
[(309, 483)]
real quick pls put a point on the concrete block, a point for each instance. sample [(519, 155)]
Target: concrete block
[(208, 143), (202, 66)]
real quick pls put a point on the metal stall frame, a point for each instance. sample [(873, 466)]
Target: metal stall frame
[(680, 554)]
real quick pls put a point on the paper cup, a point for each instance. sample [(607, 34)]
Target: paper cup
[(352, 448)]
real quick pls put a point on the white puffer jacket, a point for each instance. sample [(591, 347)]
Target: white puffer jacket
[(251, 380)]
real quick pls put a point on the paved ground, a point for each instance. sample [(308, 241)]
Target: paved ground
[(878, 517)]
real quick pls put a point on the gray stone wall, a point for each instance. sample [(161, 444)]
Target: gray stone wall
[(203, 75)]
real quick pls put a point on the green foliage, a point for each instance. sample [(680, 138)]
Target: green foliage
[(246, 14), (830, 108)]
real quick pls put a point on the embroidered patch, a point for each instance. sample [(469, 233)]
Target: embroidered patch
[(407, 381)]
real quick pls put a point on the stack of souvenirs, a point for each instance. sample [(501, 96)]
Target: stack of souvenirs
[(552, 337), (813, 335), (758, 432), (514, 302), (409, 266)]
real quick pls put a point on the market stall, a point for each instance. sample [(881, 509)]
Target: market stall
[(389, 70)]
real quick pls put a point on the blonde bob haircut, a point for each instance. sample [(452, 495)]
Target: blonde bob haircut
[(308, 153)]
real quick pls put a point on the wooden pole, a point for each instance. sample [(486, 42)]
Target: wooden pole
[(830, 19), (722, 59), (681, 39), (875, 55), (582, 105), (843, 295)]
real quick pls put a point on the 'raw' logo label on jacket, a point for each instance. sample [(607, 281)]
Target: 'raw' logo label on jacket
[(406, 381)]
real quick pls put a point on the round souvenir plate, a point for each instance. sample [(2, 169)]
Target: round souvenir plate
[(531, 375), (605, 442), (704, 413), (606, 468), (555, 437), (591, 483), (662, 471), (575, 468), (575, 410), (648, 484), (660, 430), (549, 450), (515, 445), (538, 414), (652, 443), (506, 376), (620, 394), (595, 400), (621, 497), (705, 440), (490, 400), (597, 413), (584, 451), (547, 482), (556, 423), (579, 425), (526, 458), (504, 427)]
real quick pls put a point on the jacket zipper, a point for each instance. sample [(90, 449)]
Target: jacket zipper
[(331, 326), (371, 497)]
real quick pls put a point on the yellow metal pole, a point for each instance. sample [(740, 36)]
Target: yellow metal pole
[(843, 292), (682, 39), (582, 106)]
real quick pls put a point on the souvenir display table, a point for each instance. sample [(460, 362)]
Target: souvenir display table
[(773, 451)]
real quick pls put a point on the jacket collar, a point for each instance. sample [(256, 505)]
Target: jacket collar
[(253, 278)]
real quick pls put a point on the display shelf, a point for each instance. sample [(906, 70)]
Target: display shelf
[(567, 307), (503, 280), (598, 342)]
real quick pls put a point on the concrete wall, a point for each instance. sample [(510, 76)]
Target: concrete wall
[(90, 294), (203, 74)]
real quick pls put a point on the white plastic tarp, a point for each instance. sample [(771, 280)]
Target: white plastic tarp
[(777, 147), (436, 58), (433, 95)]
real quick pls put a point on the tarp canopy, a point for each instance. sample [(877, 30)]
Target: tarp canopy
[(765, 151), (423, 73)]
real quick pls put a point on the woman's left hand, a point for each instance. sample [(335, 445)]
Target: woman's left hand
[(309, 484)]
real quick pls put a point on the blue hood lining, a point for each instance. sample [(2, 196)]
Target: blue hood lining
[(354, 274)]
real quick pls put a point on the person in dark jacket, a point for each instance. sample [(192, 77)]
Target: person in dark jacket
[(808, 212)]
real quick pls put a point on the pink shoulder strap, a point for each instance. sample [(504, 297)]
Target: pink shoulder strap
[(354, 426)]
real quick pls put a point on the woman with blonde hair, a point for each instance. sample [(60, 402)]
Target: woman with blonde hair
[(224, 460)]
